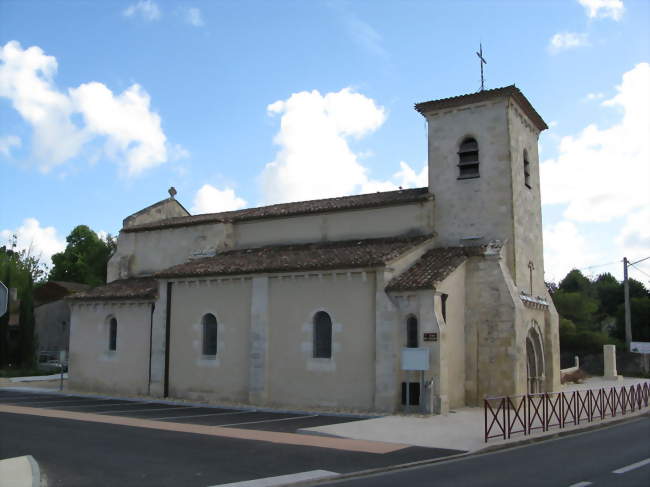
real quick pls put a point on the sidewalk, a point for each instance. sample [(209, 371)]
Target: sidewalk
[(462, 429)]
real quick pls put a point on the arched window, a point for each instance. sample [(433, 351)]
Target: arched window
[(468, 159), (412, 332), (112, 334), (526, 169), (209, 335), (322, 335)]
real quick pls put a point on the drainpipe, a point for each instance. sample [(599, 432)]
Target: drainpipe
[(153, 307)]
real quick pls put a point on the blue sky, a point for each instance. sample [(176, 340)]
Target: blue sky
[(104, 105)]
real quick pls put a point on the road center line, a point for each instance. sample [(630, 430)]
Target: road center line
[(581, 484), (633, 466)]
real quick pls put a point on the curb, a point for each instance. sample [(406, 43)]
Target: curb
[(20, 472)]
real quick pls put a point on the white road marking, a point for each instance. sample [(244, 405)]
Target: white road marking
[(282, 479), (202, 415), (269, 420), (35, 403), (580, 484), (633, 466), (102, 405), (140, 410)]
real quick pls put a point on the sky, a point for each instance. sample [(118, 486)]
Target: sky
[(105, 105)]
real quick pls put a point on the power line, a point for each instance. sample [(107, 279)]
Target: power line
[(598, 265), (641, 260), (641, 271)]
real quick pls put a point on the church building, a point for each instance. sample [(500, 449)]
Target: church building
[(418, 299)]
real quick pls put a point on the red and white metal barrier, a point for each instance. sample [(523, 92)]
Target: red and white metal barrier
[(507, 415)]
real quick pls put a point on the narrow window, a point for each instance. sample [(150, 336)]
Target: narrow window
[(112, 335), (209, 335), (468, 159), (412, 332), (322, 335), (526, 169), (443, 302)]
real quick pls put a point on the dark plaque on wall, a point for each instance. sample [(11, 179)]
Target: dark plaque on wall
[(430, 337)]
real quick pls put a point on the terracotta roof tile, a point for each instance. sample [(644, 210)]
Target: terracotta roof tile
[(433, 267), (137, 288), (370, 200), (479, 96), (314, 256)]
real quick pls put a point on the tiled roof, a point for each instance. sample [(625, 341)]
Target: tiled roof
[(434, 266), (370, 200), (314, 256), (137, 288), (479, 96)]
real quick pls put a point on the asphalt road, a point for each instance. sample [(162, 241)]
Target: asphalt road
[(79, 453), (582, 459)]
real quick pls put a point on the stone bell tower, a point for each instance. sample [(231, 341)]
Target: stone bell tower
[(484, 176)]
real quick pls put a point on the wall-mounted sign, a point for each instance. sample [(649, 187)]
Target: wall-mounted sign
[(430, 337), (415, 359)]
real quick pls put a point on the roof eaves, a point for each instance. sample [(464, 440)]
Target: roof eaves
[(507, 91)]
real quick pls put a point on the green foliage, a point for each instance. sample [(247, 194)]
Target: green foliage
[(19, 269), (639, 317), (576, 282), (610, 294), (84, 259), (584, 305), (577, 307)]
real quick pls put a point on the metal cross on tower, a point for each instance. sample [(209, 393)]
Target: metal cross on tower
[(479, 53)]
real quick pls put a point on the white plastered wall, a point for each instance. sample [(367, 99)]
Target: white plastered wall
[(295, 377), (92, 366), (224, 376), (134, 256)]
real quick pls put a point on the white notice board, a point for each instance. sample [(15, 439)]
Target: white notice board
[(415, 359), (640, 347)]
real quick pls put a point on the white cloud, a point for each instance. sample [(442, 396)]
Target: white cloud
[(594, 96), (26, 78), (209, 199), (365, 35), (565, 249), (567, 40), (41, 241), (147, 9), (603, 174), (7, 142), (603, 8), (132, 132), (193, 17), (634, 238), (408, 178), (315, 159)]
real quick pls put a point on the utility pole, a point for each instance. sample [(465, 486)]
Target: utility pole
[(628, 319)]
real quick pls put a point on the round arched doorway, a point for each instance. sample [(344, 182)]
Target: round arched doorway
[(534, 359)]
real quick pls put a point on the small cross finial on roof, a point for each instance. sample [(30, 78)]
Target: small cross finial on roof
[(172, 191), (479, 53)]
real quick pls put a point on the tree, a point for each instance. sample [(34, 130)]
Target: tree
[(610, 294), (84, 259), (576, 282), (19, 269)]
